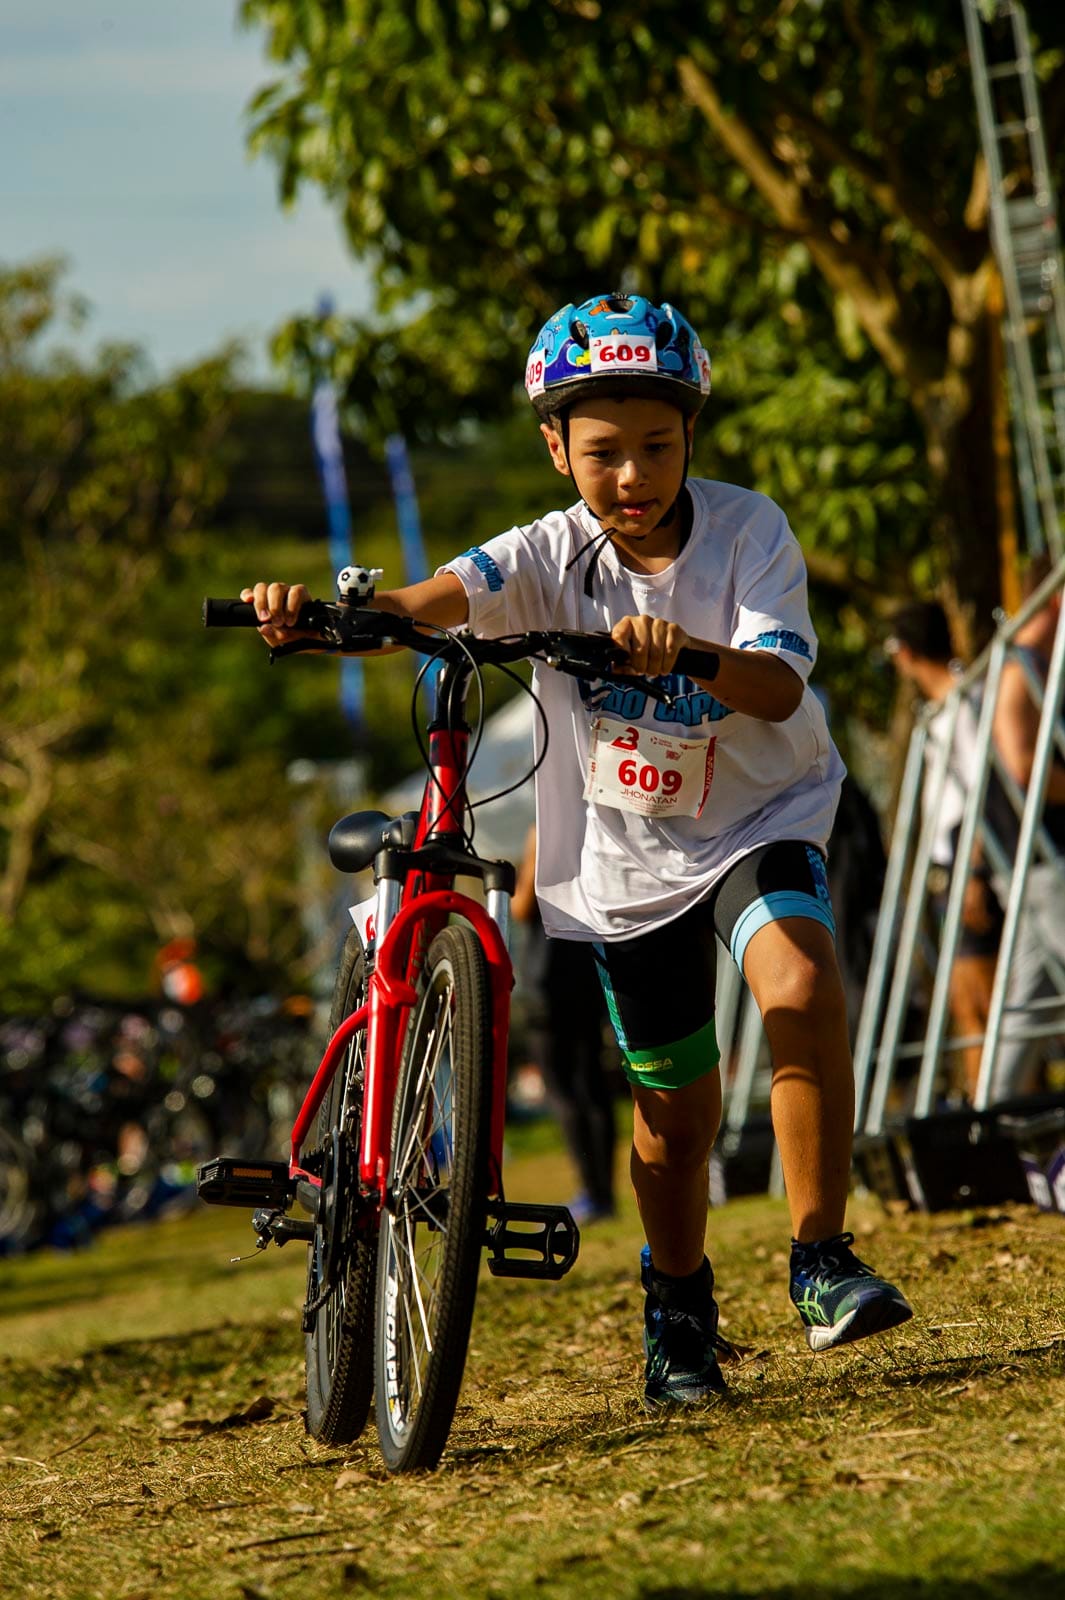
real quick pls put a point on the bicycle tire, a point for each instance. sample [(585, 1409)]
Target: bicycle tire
[(433, 1226), (339, 1345)]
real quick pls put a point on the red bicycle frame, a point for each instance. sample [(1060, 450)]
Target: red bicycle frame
[(428, 900)]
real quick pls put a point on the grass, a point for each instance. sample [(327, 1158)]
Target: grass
[(152, 1444)]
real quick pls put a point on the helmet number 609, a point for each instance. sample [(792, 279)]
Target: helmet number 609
[(614, 350)]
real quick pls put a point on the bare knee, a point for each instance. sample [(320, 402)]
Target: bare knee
[(676, 1130), (810, 989), (795, 978)]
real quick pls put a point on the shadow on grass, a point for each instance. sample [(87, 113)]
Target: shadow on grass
[(1038, 1582), (168, 1361), (66, 1280), (604, 1431)]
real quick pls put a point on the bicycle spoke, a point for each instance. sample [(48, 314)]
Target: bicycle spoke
[(416, 1291), (413, 1287), (420, 1351), (406, 1156)]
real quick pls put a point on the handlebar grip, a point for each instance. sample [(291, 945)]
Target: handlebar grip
[(699, 663), (229, 614), (241, 614)]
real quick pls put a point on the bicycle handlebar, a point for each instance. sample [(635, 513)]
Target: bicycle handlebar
[(242, 614), (346, 627)]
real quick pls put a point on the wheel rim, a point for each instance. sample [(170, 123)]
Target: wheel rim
[(416, 1222)]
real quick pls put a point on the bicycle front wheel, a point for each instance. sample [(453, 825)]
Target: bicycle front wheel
[(432, 1231), (341, 1261)]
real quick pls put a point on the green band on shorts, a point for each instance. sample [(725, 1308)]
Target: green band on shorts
[(673, 1066)]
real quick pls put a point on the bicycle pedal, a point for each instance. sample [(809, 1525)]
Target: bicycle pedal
[(230, 1181), (547, 1237)]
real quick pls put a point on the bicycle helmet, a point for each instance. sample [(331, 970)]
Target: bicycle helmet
[(616, 345)]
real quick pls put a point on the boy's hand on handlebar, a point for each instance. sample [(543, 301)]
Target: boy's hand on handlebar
[(651, 643), (277, 606)]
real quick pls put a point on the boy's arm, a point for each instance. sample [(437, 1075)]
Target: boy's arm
[(755, 682), (440, 601)]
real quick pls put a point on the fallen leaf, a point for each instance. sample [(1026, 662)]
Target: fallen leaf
[(260, 1408), (352, 1478)]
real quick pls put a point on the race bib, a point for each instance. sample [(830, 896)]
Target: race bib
[(654, 774), (624, 352)]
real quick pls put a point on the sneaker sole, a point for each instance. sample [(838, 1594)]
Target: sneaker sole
[(670, 1402), (875, 1316)]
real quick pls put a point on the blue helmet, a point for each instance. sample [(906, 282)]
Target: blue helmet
[(617, 344)]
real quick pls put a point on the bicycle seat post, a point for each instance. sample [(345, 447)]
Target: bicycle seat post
[(389, 886)]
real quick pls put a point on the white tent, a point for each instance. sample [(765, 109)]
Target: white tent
[(504, 757)]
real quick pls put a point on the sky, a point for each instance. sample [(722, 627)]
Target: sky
[(122, 148)]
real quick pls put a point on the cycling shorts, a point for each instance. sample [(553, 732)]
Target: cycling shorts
[(660, 985)]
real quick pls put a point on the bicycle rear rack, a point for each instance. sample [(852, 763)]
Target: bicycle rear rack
[(549, 1242)]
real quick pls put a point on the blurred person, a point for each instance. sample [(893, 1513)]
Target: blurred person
[(855, 869), (567, 1016), (1041, 928), (920, 649)]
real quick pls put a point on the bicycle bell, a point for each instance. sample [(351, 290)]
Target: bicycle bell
[(355, 585)]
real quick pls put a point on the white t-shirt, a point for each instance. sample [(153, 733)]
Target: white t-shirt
[(608, 873)]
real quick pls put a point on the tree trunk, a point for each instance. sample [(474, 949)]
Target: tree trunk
[(966, 504)]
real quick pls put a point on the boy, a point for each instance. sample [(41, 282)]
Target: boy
[(736, 845)]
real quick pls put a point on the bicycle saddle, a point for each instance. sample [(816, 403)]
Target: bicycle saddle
[(356, 839)]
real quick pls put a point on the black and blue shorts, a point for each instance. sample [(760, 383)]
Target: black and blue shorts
[(660, 986)]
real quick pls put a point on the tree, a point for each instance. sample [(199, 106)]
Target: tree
[(123, 821), (805, 178), (144, 788)]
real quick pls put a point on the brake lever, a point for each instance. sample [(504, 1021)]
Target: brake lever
[(341, 628), (294, 646), (649, 687), (595, 669)]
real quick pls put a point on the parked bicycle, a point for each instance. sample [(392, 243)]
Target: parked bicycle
[(107, 1111), (402, 1180)]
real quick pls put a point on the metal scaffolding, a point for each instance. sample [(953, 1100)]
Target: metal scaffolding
[(1027, 246), (906, 940), (909, 949)]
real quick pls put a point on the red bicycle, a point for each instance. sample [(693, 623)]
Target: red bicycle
[(397, 1151)]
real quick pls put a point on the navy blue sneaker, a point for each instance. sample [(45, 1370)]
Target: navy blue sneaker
[(680, 1338), (838, 1297)]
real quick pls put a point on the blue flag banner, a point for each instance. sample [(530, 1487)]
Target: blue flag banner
[(325, 432), (415, 561)]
